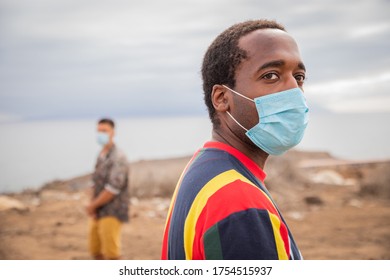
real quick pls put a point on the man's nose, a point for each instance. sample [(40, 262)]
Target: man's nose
[(291, 82)]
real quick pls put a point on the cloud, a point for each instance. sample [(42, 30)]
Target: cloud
[(375, 104), (360, 94), (77, 58), (7, 118), (377, 29)]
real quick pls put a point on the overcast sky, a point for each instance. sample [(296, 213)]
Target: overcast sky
[(88, 58)]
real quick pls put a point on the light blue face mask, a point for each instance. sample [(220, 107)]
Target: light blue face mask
[(283, 117), (103, 138)]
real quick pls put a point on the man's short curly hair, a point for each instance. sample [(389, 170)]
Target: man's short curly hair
[(223, 57), (110, 122)]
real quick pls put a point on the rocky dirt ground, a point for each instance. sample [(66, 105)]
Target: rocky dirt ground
[(335, 209)]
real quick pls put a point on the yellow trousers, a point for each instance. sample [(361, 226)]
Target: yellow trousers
[(105, 237)]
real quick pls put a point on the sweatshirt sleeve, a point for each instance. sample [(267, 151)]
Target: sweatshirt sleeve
[(244, 235)]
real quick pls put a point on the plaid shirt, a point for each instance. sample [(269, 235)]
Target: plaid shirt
[(111, 173)]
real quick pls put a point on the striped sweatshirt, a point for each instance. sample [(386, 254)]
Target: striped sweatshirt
[(221, 210)]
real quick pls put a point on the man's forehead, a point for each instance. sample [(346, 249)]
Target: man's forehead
[(268, 45), (104, 126), (266, 40)]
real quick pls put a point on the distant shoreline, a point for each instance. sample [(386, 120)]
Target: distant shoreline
[(51, 154), (174, 166)]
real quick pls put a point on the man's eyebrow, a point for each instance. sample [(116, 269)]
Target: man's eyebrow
[(301, 66), (279, 63), (274, 63)]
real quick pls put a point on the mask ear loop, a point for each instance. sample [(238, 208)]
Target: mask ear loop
[(236, 121), (246, 97), (230, 115)]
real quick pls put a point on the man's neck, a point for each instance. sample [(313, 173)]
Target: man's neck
[(106, 148), (254, 153)]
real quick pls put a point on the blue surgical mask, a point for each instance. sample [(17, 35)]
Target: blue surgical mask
[(103, 138), (283, 117)]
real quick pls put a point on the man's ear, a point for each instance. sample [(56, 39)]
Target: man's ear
[(220, 98)]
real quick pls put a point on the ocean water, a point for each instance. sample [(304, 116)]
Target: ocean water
[(36, 152)]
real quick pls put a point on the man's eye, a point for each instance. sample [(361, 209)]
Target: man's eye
[(300, 78), (270, 76)]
